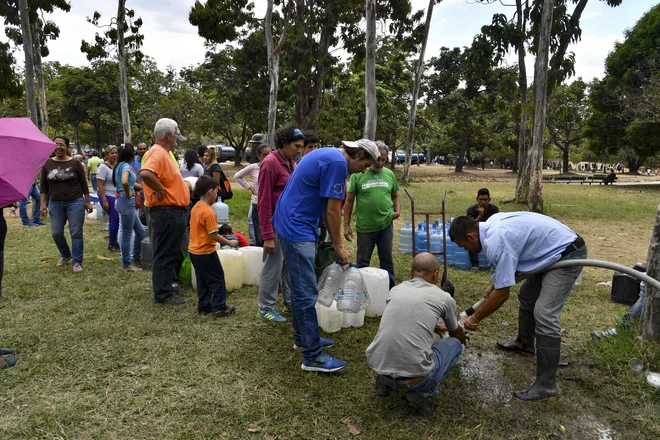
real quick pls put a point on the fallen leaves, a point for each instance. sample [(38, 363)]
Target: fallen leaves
[(101, 257), (47, 260), (352, 427)]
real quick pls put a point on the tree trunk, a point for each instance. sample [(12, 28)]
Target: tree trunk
[(77, 136), (535, 199), (634, 163), (273, 73), (26, 30), (370, 74), (413, 104), (460, 159), (522, 182), (565, 158), (123, 81), (39, 73), (649, 323)]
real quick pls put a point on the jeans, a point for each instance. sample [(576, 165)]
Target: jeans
[(636, 310), (167, 228), (300, 258), (365, 247), (445, 355), (92, 178), (274, 276), (250, 226), (36, 206), (546, 293), (211, 287), (258, 238), (129, 223), (113, 215), (72, 211)]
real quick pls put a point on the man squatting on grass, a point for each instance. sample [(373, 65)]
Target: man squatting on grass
[(316, 186), (403, 354), (526, 243)]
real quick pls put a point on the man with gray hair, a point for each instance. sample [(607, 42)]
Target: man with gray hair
[(376, 194), (167, 196)]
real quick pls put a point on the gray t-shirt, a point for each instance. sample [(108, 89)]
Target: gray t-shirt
[(196, 171), (105, 174), (402, 346)]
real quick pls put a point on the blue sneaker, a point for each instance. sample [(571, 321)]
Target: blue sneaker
[(30, 224), (325, 343), (323, 363), (40, 223), (272, 315)]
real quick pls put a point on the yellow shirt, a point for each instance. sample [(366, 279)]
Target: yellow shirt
[(93, 164)]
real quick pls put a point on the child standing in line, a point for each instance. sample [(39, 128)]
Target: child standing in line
[(211, 288)]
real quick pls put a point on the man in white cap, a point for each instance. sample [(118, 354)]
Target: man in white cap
[(317, 186)]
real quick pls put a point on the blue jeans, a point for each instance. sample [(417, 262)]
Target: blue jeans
[(300, 258), (365, 247), (636, 310), (445, 355), (113, 215), (129, 223), (92, 178), (36, 196), (211, 286), (167, 229), (72, 211)]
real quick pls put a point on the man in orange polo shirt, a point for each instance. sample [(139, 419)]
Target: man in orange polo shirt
[(167, 196)]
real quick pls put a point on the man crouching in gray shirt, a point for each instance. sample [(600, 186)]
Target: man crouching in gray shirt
[(403, 354)]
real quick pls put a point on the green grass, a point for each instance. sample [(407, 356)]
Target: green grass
[(99, 360)]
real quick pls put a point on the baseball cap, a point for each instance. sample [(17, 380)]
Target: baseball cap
[(369, 146), (179, 136), (257, 138)]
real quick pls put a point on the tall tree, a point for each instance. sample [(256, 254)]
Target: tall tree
[(413, 102), (566, 113), (535, 155), (371, 110), (29, 61), (9, 85), (42, 30), (117, 37), (274, 51)]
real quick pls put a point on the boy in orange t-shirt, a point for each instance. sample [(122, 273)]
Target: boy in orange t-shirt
[(211, 288)]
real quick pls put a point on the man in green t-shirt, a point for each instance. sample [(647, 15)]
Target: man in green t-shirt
[(376, 194), (93, 167)]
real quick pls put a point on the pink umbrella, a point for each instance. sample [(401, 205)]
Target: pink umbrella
[(23, 149)]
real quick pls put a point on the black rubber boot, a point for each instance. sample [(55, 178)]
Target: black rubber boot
[(547, 361), (524, 343)]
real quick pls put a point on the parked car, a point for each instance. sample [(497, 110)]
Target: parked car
[(225, 153), (416, 158)]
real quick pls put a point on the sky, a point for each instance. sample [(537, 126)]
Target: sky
[(171, 40)]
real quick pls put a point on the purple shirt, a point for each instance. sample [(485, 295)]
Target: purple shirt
[(273, 177)]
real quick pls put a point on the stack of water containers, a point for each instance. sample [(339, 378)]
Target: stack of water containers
[(456, 256), (347, 294)]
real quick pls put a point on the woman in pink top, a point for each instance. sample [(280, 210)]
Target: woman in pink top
[(253, 186)]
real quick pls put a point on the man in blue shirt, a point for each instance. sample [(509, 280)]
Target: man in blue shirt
[(137, 162), (316, 186), (526, 243)]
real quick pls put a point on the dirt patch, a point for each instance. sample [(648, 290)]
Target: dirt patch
[(484, 373)]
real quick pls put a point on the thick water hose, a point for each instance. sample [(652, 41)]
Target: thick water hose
[(571, 263)]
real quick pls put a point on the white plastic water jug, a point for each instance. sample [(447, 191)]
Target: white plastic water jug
[(352, 295), (252, 256), (192, 180), (232, 265), (352, 319), (331, 278), (377, 282), (329, 317), (221, 211)]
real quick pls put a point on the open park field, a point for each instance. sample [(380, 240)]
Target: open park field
[(99, 360)]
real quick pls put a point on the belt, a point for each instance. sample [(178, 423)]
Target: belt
[(577, 244), (168, 208)]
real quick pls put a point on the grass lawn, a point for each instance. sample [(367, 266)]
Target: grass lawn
[(99, 360)]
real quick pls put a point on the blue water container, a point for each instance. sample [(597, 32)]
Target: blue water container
[(483, 261), (436, 243), (420, 239), (405, 239), (451, 252), (462, 259)]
